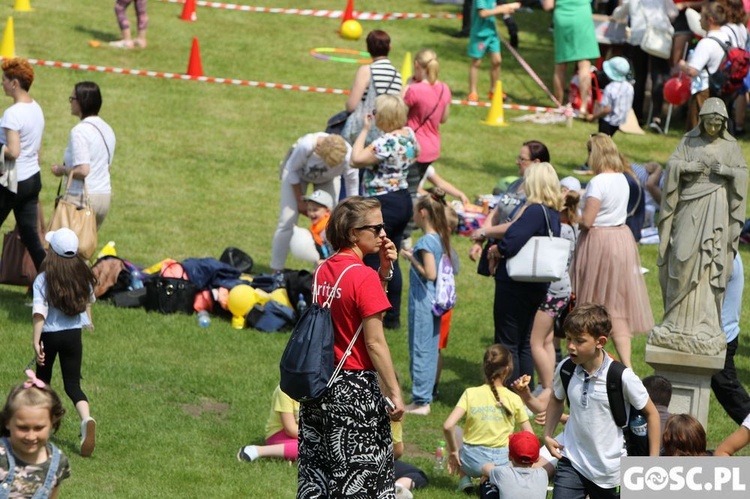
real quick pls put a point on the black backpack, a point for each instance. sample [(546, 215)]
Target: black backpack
[(307, 362), (636, 445)]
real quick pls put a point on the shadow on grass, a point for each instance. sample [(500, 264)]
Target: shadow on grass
[(95, 34), (14, 304)]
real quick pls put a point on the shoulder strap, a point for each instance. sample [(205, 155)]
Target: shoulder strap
[(109, 155), (566, 372), (615, 393), (640, 195), (440, 98), (327, 303), (44, 491), (8, 482)]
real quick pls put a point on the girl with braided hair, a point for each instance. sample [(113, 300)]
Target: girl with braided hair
[(492, 413)]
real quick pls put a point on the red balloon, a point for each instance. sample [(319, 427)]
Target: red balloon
[(677, 90)]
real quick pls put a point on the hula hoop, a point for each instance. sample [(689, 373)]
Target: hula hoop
[(360, 57)]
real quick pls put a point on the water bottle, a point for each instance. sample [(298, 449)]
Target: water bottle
[(204, 319), (639, 426), (440, 456), (301, 305), (136, 281)]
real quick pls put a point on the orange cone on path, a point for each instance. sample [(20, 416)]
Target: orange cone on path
[(195, 68), (188, 11), (349, 12), (496, 116)]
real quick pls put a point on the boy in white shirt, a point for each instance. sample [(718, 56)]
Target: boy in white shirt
[(705, 59), (589, 462)]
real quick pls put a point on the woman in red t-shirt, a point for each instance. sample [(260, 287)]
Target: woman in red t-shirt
[(345, 446)]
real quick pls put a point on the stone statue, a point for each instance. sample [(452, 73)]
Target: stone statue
[(702, 213)]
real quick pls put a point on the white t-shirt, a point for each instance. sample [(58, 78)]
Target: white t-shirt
[(594, 443), (87, 146), (746, 422), (612, 190), (706, 59), (737, 34), (27, 119)]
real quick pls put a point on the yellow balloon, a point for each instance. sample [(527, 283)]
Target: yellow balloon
[(351, 30), (241, 299)]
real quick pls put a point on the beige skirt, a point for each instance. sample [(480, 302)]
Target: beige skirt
[(607, 271)]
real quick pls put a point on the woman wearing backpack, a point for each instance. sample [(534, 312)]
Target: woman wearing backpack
[(737, 30), (427, 269), (705, 59), (516, 303), (345, 444)]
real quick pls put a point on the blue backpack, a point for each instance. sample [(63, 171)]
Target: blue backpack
[(307, 362)]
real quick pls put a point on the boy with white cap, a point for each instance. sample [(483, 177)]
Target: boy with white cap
[(319, 206), (617, 98)]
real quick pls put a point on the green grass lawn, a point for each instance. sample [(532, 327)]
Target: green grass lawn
[(195, 171)]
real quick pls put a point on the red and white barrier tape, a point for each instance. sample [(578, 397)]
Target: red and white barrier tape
[(245, 83), (360, 16)]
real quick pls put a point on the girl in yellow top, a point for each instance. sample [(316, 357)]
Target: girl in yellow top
[(281, 431), (492, 414)]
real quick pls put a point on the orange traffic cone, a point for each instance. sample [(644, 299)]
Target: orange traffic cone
[(496, 116), (188, 11), (349, 12), (195, 68)]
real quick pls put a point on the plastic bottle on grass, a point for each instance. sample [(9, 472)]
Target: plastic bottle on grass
[(136, 279), (204, 319), (301, 305), (440, 456)]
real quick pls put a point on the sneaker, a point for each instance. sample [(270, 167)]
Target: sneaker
[(403, 493), (465, 485), (247, 454), (88, 437), (656, 127), (473, 97)]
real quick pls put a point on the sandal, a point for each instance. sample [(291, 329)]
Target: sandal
[(122, 44)]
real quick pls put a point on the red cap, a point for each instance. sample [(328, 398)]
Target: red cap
[(524, 447)]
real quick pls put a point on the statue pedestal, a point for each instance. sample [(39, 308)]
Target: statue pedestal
[(690, 375)]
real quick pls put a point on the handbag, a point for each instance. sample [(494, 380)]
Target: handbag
[(16, 266), (170, 295), (542, 258), (78, 217), (657, 41), (335, 124), (356, 120)]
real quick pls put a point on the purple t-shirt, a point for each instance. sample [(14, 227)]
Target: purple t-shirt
[(423, 99)]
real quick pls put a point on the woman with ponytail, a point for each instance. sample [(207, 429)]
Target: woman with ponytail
[(429, 103)]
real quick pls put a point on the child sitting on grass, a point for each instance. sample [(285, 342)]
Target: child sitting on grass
[(492, 412), (521, 480), (281, 431)]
